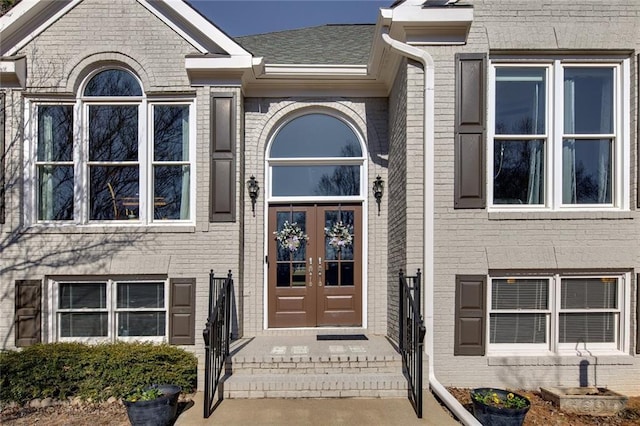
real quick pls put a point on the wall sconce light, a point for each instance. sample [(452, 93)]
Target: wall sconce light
[(378, 189), (254, 190)]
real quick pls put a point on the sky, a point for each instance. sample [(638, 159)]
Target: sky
[(245, 17)]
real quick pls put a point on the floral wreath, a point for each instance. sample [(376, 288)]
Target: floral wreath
[(340, 235), (290, 236)]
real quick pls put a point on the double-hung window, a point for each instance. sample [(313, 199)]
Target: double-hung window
[(557, 314), (100, 311), (559, 136), (113, 156)]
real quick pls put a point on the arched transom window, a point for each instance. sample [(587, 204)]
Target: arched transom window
[(316, 156), (127, 158)]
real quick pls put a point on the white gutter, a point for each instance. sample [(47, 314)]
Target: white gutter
[(429, 210)]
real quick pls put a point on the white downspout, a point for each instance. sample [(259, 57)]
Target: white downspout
[(429, 210)]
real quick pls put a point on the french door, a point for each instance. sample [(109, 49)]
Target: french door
[(315, 280)]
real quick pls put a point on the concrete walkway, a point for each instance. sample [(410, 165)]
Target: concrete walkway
[(339, 411)]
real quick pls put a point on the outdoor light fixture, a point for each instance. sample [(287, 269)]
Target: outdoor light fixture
[(254, 190), (378, 189)]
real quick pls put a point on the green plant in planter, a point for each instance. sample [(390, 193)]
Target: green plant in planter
[(156, 405), (501, 399), (497, 407), (143, 395)]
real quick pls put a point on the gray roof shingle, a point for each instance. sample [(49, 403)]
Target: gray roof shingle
[(325, 44)]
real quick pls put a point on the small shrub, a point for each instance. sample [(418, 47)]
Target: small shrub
[(62, 370)]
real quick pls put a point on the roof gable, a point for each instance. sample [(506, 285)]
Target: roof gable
[(29, 18)]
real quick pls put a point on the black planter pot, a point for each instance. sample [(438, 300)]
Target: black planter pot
[(490, 415), (156, 412)]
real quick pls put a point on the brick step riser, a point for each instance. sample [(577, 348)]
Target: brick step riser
[(321, 366), (315, 370), (344, 393)]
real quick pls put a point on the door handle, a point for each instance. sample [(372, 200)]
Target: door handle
[(310, 272), (319, 272)]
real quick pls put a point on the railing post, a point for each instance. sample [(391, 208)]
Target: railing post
[(227, 312), (401, 319)]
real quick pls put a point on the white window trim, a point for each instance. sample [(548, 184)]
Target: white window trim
[(621, 152), (81, 164), (552, 347), (112, 310)]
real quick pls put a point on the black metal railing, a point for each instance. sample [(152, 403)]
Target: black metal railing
[(411, 336), (217, 335)]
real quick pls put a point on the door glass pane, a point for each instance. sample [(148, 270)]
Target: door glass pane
[(588, 100), (586, 171), (299, 276), (283, 278), (90, 324), (316, 135), (82, 295), (141, 324), (331, 277), (316, 180), (518, 172), (140, 295), (520, 101), (346, 273), (113, 192), (113, 132)]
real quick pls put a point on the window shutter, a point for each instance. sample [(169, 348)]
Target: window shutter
[(2, 154), (182, 306), (28, 307), (470, 315), (470, 131), (223, 169)]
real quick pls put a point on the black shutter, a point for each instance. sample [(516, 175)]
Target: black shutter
[(182, 305), (27, 316), (2, 155), (470, 131), (223, 165), (470, 315)]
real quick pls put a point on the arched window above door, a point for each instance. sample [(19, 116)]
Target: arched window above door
[(315, 135), (316, 156)]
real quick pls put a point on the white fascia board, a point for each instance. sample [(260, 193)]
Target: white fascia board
[(23, 14), (199, 24), (219, 63), (315, 70), (433, 15)]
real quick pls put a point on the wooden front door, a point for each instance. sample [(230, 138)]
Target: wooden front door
[(315, 281)]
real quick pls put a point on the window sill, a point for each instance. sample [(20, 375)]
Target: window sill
[(563, 215), (610, 358), (109, 229)]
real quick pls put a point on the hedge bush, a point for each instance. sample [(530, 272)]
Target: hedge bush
[(92, 372)]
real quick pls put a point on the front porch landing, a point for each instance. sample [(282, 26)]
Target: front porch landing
[(304, 367)]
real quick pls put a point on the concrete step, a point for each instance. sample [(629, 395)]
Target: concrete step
[(363, 385)]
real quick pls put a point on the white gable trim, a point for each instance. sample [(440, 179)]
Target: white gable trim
[(198, 24), (20, 17), (26, 13)]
